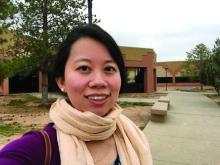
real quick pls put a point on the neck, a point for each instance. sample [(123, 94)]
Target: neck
[(103, 151)]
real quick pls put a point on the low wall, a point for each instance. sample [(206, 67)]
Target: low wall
[(178, 84)]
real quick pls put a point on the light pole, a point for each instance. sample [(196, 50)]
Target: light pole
[(166, 68), (90, 11), (200, 72)]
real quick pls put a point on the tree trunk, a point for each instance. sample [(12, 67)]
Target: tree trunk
[(201, 86), (45, 39), (44, 88)]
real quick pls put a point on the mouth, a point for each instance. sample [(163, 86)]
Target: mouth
[(97, 98)]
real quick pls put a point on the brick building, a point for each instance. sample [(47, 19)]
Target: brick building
[(140, 68), (144, 73), (169, 74)]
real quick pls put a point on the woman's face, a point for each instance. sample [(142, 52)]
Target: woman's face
[(92, 79)]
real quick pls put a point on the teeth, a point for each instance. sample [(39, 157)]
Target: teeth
[(97, 97)]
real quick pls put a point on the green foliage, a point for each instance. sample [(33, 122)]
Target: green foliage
[(4, 69), (29, 98), (216, 57), (11, 129), (216, 65), (7, 11), (217, 85), (194, 66), (40, 28), (208, 72), (42, 25), (22, 101), (210, 68), (125, 104), (190, 69), (16, 66)]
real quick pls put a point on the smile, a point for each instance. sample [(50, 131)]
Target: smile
[(97, 98)]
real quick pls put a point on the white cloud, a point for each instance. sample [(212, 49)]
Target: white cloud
[(170, 27)]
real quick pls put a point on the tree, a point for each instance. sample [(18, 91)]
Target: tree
[(17, 66), (7, 11), (211, 68), (195, 62), (216, 65), (41, 26), (4, 71)]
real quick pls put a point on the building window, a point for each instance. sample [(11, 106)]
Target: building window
[(135, 80)]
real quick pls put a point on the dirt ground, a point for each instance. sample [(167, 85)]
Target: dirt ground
[(215, 98), (32, 116)]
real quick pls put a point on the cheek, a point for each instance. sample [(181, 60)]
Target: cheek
[(74, 82), (115, 84)]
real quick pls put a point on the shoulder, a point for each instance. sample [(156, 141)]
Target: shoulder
[(51, 131), (28, 149)]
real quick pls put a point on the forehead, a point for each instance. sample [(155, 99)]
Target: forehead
[(89, 48)]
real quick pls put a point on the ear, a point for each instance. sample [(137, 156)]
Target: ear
[(61, 83)]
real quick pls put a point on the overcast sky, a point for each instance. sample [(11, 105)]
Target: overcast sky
[(170, 27)]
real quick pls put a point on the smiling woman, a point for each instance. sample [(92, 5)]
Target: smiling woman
[(88, 127), (91, 76)]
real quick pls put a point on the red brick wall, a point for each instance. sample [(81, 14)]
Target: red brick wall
[(148, 63)]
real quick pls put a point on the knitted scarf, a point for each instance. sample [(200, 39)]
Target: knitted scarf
[(74, 128)]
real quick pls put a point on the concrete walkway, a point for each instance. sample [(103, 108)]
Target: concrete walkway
[(139, 100), (190, 134)]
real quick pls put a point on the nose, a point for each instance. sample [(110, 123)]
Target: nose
[(97, 81)]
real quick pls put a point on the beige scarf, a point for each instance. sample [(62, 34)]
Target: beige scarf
[(75, 127)]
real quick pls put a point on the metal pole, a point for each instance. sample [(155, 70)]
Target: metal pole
[(90, 11), (166, 78)]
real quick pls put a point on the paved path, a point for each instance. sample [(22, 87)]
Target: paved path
[(138, 100), (190, 134)]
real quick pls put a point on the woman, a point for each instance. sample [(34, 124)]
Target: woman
[(88, 127)]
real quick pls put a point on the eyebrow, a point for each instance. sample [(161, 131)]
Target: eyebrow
[(82, 60), (89, 61)]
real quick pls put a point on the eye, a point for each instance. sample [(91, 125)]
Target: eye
[(84, 69), (110, 69)]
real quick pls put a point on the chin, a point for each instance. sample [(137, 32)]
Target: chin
[(101, 113)]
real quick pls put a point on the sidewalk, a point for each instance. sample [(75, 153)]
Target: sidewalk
[(190, 134), (139, 100)]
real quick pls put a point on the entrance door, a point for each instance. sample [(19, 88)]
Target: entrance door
[(21, 84), (135, 80)]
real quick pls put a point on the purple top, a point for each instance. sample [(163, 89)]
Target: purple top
[(30, 149)]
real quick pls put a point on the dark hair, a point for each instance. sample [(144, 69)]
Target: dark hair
[(95, 32)]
